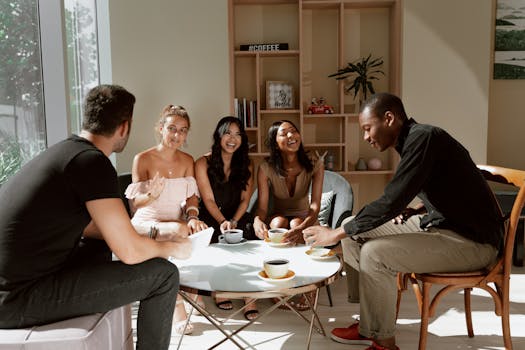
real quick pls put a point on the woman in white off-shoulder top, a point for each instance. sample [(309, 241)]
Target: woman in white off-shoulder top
[(164, 193)]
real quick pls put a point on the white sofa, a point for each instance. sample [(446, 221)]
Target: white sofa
[(103, 331)]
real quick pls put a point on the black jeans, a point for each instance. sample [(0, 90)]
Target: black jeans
[(91, 283)]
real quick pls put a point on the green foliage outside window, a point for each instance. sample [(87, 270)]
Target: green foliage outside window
[(11, 157)]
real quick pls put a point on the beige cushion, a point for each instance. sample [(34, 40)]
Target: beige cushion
[(110, 330)]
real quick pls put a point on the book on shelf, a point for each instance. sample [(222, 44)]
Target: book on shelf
[(264, 47), (246, 111), (236, 107)]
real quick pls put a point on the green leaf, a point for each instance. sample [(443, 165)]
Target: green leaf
[(363, 71)]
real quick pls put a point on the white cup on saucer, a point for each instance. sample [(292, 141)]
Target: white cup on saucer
[(276, 267), (276, 235), (232, 236)]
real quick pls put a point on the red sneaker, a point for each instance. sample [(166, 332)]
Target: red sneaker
[(376, 346), (350, 335)]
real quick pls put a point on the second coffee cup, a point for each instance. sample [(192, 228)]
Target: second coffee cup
[(231, 236), (276, 235), (276, 267)]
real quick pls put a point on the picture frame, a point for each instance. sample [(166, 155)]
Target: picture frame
[(509, 47), (279, 95)]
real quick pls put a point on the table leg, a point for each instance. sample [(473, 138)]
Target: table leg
[(314, 317), (266, 312), (313, 309), (210, 318), (188, 316), (282, 301)]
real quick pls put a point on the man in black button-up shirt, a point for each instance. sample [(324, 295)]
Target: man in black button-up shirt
[(461, 228)]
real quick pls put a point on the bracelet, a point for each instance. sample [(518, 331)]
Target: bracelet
[(153, 232), (234, 222), (192, 217), (192, 207), (223, 220)]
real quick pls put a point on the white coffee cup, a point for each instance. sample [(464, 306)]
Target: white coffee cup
[(276, 235), (276, 267), (231, 236)]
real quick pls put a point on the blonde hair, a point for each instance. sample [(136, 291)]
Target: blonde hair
[(172, 111)]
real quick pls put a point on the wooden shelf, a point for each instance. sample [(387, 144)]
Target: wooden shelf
[(280, 111), (357, 4), (321, 116), (324, 144), (281, 53), (323, 36), (320, 4), (264, 2)]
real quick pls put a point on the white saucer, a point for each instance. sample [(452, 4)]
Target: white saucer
[(244, 241), (320, 253), (289, 275), (275, 244)]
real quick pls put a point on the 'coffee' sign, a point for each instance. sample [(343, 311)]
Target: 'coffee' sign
[(264, 47)]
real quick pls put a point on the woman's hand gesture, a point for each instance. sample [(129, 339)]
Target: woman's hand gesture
[(260, 228), (156, 186), (196, 225)]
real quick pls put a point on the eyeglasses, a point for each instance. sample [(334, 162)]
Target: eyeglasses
[(173, 130)]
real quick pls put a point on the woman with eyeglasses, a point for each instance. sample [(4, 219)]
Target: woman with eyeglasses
[(164, 194), (224, 177)]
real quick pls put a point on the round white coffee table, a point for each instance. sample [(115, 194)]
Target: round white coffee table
[(232, 271)]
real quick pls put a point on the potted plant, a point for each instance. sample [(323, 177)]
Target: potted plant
[(364, 70)]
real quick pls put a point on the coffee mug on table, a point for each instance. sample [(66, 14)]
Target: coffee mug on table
[(276, 267), (231, 236), (276, 235)]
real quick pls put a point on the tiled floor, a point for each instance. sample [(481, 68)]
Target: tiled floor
[(284, 330)]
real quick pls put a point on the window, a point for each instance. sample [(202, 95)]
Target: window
[(37, 107), (22, 121), (82, 54)]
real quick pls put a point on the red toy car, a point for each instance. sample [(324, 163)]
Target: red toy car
[(320, 107)]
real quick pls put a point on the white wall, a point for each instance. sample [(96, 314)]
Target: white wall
[(445, 67), (506, 139), (166, 51)]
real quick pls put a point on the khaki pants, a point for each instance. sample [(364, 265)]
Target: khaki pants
[(381, 253)]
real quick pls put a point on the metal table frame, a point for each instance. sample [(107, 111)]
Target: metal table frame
[(282, 293)]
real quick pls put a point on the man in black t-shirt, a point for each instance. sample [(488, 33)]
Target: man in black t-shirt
[(461, 230), (67, 194)]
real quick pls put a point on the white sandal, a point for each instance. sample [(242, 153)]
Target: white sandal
[(178, 327), (196, 312)]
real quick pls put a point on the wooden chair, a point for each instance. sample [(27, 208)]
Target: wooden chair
[(498, 274)]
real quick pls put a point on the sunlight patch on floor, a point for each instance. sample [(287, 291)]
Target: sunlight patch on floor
[(485, 323)]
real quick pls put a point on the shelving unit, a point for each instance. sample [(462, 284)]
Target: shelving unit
[(322, 35)]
